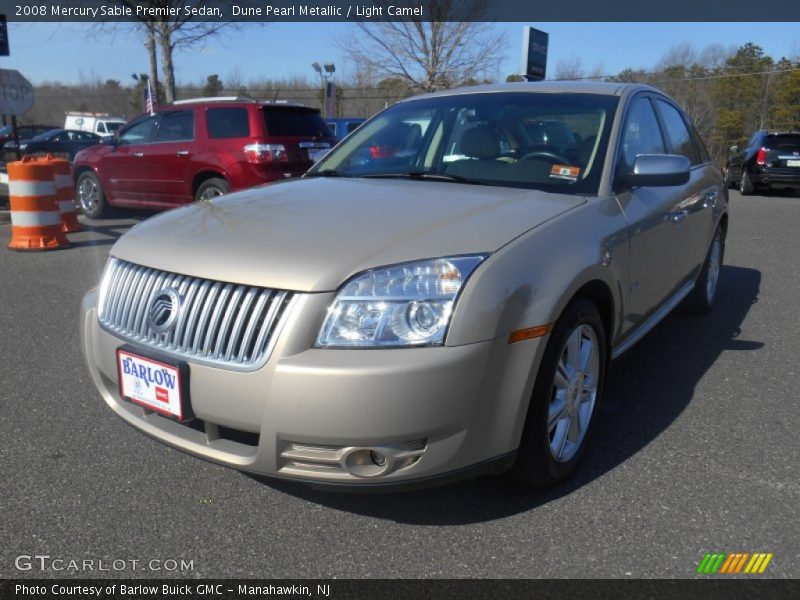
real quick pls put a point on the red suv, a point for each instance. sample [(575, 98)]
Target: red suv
[(194, 150)]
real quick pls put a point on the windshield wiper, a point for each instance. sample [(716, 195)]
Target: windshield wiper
[(429, 175), (327, 173)]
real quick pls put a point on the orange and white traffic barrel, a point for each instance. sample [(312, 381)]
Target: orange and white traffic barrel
[(66, 194), (35, 219)]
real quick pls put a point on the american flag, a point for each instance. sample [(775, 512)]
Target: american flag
[(150, 101)]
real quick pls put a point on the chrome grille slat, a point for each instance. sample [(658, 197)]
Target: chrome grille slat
[(195, 312), (263, 335), (211, 299), (230, 309), (118, 294), (141, 302), (188, 295), (223, 324), (251, 326), (216, 316), (237, 325), (129, 312)]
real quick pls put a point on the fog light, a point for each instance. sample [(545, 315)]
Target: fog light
[(378, 458)]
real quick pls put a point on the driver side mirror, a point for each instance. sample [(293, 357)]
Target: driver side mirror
[(657, 170), (110, 140)]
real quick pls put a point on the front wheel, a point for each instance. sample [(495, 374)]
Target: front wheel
[(568, 389), (90, 195)]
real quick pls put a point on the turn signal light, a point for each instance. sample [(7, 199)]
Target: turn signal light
[(761, 156)]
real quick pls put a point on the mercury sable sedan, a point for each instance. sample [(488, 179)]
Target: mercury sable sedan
[(439, 296)]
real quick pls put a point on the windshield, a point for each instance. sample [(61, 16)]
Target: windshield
[(554, 142), (112, 127)]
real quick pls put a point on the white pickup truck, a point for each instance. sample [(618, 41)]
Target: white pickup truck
[(102, 124)]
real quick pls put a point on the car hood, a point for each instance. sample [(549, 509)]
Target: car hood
[(312, 234)]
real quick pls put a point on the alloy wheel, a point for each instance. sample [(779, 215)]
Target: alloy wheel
[(210, 193), (714, 266), (574, 393), (88, 195)]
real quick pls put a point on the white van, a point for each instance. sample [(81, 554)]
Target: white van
[(102, 124)]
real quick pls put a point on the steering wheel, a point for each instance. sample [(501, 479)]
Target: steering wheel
[(544, 153)]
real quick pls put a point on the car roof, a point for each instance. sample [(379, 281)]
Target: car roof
[(601, 88), (48, 133)]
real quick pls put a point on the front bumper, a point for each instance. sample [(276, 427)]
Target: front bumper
[(315, 414)]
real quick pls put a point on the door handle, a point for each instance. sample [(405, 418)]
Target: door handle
[(138, 154), (677, 217), (183, 153)]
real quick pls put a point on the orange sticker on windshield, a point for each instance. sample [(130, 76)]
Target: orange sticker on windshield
[(565, 172)]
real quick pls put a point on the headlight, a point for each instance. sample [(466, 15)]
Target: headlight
[(409, 304)]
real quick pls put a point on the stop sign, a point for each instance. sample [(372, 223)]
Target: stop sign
[(16, 93)]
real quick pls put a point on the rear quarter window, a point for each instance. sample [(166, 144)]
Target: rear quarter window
[(295, 123), (226, 123)]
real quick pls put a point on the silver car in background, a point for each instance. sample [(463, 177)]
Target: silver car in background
[(439, 296)]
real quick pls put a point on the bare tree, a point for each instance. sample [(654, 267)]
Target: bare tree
[(430, 55), (568, 69), (173, 28), (151, 54)]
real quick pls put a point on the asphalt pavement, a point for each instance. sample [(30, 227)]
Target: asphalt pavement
[(696, 451)]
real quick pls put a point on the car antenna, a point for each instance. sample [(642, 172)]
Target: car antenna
[(275, 97)]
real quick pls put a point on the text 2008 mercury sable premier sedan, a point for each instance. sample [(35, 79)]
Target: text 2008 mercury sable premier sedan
[(439, 296)]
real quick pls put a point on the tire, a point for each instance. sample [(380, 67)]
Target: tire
[(746, 186), (550, 453), (702, 298), (90, 196), (729, 183), (211, 188)]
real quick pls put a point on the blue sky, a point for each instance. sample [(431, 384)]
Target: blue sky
[(69, 51)]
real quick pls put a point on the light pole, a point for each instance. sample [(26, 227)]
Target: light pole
[(325, 72)]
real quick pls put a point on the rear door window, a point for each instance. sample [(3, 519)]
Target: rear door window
[(293, 122), (224, 123), (698, 143), (677, 132)]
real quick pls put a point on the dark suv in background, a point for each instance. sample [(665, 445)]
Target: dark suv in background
[(770, 160), (194, 150)]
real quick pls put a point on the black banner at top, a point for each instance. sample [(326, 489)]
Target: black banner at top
[(387, 10)]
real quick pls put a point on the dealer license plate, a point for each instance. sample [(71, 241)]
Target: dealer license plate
[(793, 163), (153, 384)]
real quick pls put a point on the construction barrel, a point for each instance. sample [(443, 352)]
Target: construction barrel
[(35, 218)]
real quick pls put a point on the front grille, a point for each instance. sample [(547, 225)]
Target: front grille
[(217, 323)]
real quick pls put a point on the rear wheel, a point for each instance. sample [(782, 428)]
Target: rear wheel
[(90, 195), (702, 298), (210, 189), (568, 389), (746, 186)]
